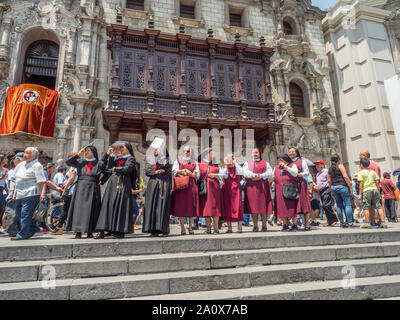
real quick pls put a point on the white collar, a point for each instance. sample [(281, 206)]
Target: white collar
[(92, 159)]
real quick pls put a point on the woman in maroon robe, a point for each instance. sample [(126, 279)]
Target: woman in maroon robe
[(232, 193), (285, 173), (185, 202), (304, 203), (257, 199), (211, 204)]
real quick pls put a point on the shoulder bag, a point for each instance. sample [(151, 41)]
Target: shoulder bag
[(290, 191), (202, 184), (181, 183)]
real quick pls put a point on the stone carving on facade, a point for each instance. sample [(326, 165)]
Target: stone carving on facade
[(295, 60)]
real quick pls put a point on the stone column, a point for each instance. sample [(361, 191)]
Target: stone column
[(5, 38), (85, 41), (70, 50)]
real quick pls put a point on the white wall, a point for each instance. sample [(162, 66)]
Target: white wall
[(392, 87)]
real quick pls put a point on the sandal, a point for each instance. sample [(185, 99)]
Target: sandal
[(207, 231)]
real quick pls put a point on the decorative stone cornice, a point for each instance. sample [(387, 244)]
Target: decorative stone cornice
[(188, 23), (331, 24), (135, 14), (243, 32)]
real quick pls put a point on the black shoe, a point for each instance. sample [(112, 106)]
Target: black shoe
[(78, 235), (90, 235), (154, 235), (191, 231), (307, 229), (119, 235), (108, 234), (183, 232), (228, 231), (294, 228), (255, 229), (216, 232), (264, 229), (207, 231), (100, 235), (164, 235), (285, 229), (343, 225)]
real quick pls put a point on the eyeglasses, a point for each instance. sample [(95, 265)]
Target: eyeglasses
[(186, 151)]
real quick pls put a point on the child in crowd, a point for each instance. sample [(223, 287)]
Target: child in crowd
[(370, 197)]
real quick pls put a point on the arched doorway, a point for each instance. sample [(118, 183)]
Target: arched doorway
[(40, 64), (297, 100)]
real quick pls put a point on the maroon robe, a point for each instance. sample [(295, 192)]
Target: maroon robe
[(257, 197), (211, 204), (185, 202), (232, 195), (304, 203), (284, 208)]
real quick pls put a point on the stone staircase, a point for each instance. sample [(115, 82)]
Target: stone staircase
[(270, 265)]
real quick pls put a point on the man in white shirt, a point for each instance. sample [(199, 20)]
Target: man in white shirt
[(30, 188)]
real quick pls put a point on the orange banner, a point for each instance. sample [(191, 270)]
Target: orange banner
[(29, 108)]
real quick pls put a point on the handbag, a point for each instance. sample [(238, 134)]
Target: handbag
[(40, 212), (202, 184), (181, 183), (290, 191)]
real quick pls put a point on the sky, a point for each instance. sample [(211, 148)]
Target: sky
[(323, 4)]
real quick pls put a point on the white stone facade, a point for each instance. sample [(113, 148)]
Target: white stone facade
[(79, 27), (361, 59)]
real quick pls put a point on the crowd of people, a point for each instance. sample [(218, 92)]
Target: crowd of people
[(199, 192)]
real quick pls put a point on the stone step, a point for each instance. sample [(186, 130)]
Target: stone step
[(380, 288), (142, 264), (203, 280), (43, 248)]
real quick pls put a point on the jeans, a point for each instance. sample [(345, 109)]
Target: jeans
[(64, 213), (135, 209), (390, 210), (24, 209), (343, 203), (246, 219), (2, 202)]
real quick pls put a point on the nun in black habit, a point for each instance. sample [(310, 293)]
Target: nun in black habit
[(116, 209), (158, 194), (85, 202)]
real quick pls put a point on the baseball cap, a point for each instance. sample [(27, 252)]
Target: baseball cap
[(319, 162), (19, 155)]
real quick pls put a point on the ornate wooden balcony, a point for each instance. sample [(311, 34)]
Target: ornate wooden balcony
[(200, 83)]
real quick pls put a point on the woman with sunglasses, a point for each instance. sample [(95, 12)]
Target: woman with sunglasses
[(185, 201)]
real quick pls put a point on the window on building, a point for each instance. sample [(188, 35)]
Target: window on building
[(41, 61), (187, 11), (297, 100), (135, 4), (235, 19), (287, 28)]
